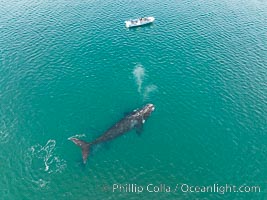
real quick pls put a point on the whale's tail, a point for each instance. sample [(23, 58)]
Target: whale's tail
[(85, 146)]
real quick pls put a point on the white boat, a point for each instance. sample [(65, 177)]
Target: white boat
[(139, 22)]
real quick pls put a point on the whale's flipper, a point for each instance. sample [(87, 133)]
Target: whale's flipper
[(139, 127), (85, 146)]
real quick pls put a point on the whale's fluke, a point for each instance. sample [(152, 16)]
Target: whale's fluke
[(85, 146)]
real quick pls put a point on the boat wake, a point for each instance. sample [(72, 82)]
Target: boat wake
[(139, 75)]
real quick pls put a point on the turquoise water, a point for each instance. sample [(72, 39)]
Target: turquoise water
[(71, 68)]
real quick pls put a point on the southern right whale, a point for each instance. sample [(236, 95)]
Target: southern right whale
[(133, 120)]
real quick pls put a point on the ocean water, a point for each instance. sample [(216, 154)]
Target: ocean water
[(71, 68)]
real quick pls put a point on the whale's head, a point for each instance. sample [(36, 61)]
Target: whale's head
[(147, 110)]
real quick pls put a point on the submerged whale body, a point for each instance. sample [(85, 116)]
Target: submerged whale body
[(135, 119)]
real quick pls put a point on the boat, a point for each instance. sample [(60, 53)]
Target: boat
[(139, 22)]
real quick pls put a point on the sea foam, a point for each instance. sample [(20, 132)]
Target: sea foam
[(51, 162)]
